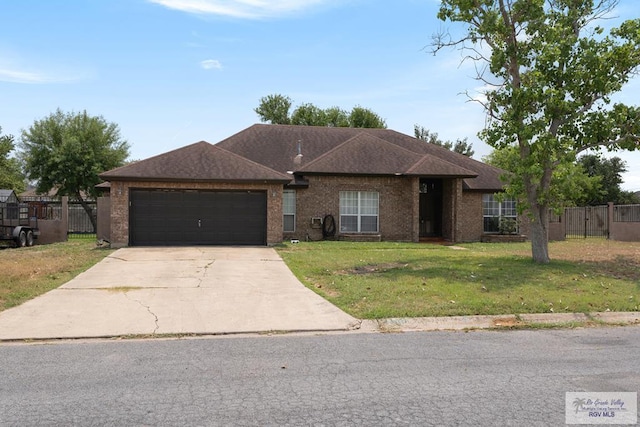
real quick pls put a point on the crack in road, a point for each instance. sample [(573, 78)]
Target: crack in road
[(148, 310)]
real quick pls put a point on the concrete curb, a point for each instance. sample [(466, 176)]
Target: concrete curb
[(457, 323), (398, 324)]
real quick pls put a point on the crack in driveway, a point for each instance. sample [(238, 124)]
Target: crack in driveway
[(148, 309), (206, 269)]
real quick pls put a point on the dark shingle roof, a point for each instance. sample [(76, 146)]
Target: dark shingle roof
[(197, 162), (276, 147), (366, 154)]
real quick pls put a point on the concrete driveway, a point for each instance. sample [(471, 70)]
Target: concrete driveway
[(201, 290)]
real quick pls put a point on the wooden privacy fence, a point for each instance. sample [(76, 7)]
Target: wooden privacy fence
[(615, 222)]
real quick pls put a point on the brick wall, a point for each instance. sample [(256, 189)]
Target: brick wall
[(398, 205), (470, 220), (120, 205), (470, 223)]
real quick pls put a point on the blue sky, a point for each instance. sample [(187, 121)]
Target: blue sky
[(173, 72)]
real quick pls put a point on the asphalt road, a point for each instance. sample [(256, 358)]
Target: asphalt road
[(484, 378)]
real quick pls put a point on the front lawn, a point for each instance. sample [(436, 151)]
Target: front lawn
[(379, 280), (26, 273)]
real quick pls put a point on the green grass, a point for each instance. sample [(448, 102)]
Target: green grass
[(26, 273), (379, 280)]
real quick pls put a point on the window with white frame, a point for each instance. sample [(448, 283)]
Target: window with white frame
[(289, 210), (499, 215), (359, 211)]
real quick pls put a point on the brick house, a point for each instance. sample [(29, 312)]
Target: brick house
[(270, 183)]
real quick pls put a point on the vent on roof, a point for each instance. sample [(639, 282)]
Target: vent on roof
[(298, 158)]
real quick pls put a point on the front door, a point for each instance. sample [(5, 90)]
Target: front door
[(431, 208)]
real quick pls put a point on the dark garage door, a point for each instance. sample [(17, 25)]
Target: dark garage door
[(160, 217)]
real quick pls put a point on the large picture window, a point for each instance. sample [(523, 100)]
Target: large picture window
[(358, 212), (499, 215), (289, 210)]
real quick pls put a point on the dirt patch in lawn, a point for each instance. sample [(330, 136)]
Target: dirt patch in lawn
[(374, 268), (619, 260), (595, 250)]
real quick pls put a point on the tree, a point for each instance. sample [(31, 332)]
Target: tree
[(608, 174), (309, 115), (461, 146), (11, 177), (275, 110), (365, 118), (65, 152), (552, 72), (569, 182), (337, 117)]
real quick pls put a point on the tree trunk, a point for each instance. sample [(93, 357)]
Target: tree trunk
[(89, 211), (539, 235)]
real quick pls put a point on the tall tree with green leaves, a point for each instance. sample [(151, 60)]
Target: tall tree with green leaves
[(309, 115), (608, 173), (276, 109), (65, 152), (569, 182), (336, 117), (11, 176), (361, 117), (461, 146), (552, 71)]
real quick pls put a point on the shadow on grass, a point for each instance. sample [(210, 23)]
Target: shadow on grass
[(413, 282)]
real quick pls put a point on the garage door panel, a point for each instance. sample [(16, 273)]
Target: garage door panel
[(197, 217)]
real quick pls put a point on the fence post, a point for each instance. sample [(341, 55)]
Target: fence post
[(609, 220), (65, 216)]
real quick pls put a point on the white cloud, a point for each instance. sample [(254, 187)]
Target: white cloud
[(17, 76), (12, 75), (210, 64), (16, 69), (245, 9)]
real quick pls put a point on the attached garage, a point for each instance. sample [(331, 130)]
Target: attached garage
[(196, 195), (194, 217)]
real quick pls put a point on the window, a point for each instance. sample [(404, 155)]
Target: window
[(289, 210), (499, 216), (358, 212)]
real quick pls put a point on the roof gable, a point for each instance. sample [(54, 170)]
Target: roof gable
[(362, 154), (8, 196), (429, 165), (369, 155), (201, 161), (276, 146)]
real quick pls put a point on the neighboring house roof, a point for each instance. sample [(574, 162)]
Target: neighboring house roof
[(201, 161), (8, 196), (277, 146), (32, 195)]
